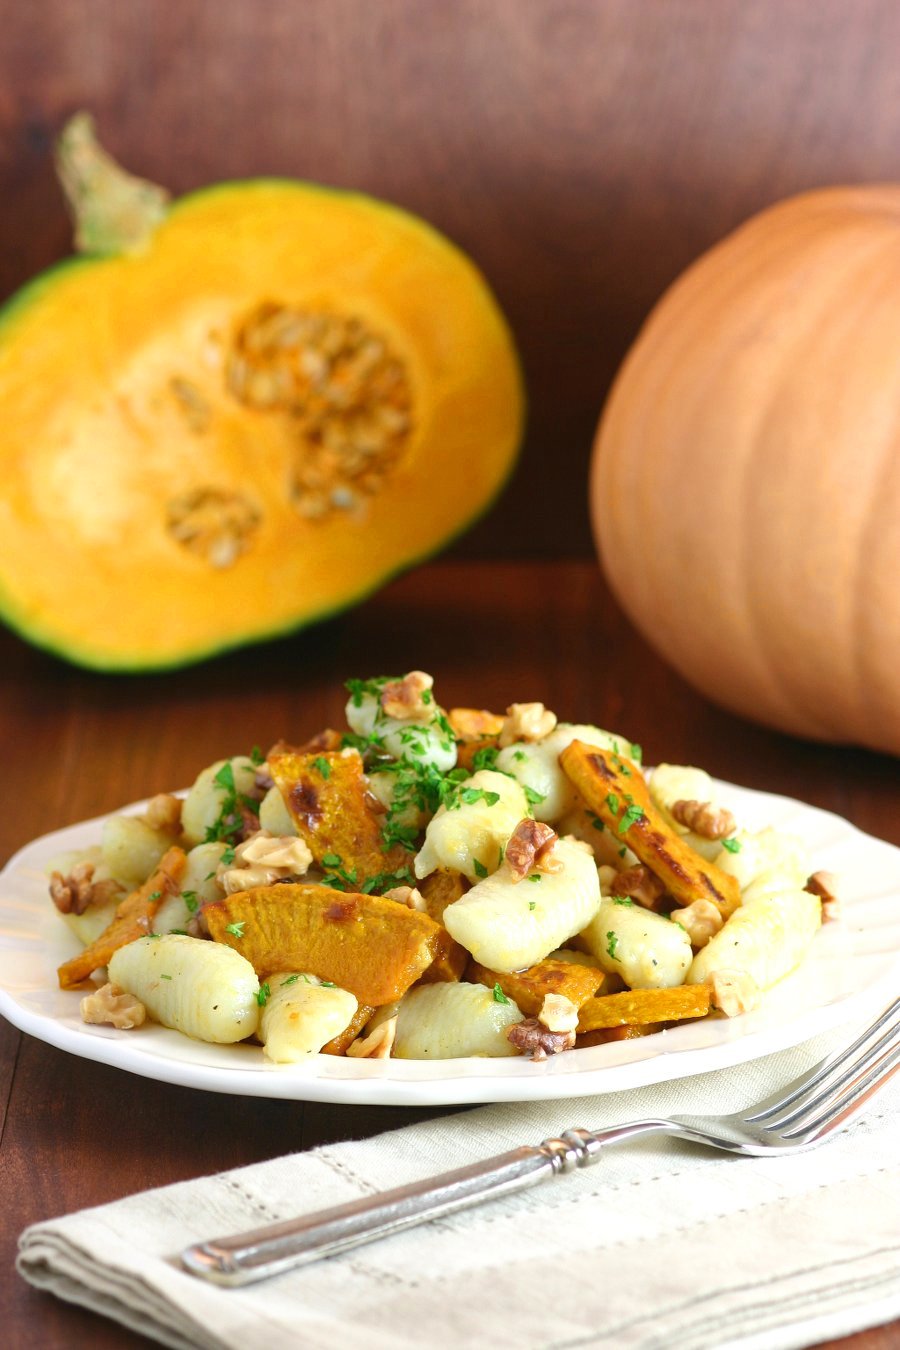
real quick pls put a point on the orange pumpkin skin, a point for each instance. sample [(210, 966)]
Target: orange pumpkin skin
[(745, 483)]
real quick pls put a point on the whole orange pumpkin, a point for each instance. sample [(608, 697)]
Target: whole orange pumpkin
[(745, 488)]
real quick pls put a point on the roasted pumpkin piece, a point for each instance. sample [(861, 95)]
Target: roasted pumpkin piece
[(329, 804), (638, 1006), (132, 920), (605, 1035), (450, 960), (619, 796), (440, 889), (338, 1044), (374, 947), (528, 988)]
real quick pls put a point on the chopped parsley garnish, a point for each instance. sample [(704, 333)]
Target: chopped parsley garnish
[(164, 977), (227, 857), (597, 823), (612, 802), (485, 758), (191, 903), (256, 756), (499, 996), (637, 753), (358, 689), (331, 860), (472, 795), (535, 876), (630, 817), (622, 900), (612, 943), (532, 796), (263, 995), (480, 869), (622, 851), (154, 895), (519, 756), (181, 932), (230, 820), (289, 979), (321, 763), (386, 881), (532, 904), (236, 929), (733, 845), (327, 984)]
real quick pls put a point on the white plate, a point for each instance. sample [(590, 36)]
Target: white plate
[(853, 964)]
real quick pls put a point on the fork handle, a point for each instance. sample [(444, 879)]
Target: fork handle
[(247, 1257)]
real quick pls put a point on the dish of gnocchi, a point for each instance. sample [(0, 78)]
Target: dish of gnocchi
[(435, 905)]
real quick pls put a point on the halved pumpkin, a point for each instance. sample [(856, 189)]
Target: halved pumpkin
[(276, 398)]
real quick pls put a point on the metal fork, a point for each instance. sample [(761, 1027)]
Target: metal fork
[(801, 1115)]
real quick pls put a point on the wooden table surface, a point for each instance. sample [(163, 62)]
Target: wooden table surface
[(76, 744)]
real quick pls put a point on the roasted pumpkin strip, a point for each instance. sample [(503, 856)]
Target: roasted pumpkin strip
[(638, 1006), (132, 919), (617, 793), (440, 889), (528, 988), (327, 799), (606, 1035), (374, 947), (450, 961), (338, 1044)]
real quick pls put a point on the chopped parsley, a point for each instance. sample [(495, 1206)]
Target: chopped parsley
[(227, 857), (165, 977), (256, 756), (532, 904), (480, 869), (532, 796), (485, 758), (597, 823), (191, 903), (321, 763), (637, 753), (230, 821), (358, 689), (327, 984), (622, 900), (499, 996), (290, 979), (331, 860), (469, 796), (154, 895), (520, 756), (386, 881), (733, 845), (630, 817), (612, 943), (263, 996), (535, 876), (236, 929), (612, 802)]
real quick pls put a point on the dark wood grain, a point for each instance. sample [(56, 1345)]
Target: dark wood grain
[(78, 1133), (583, 151)]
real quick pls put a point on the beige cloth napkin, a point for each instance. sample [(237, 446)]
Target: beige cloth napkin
[(658, 1245)]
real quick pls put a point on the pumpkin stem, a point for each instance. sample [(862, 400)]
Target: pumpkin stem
[(113, 211)]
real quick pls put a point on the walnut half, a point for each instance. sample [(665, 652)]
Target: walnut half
[(712, 822), (409, 697), (75, 893), (532, 1037), (701, 920), (531, 845), (526, 722), (734, 992), (111, 1005)]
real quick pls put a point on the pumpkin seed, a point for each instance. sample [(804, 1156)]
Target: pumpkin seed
[(346, 394)]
